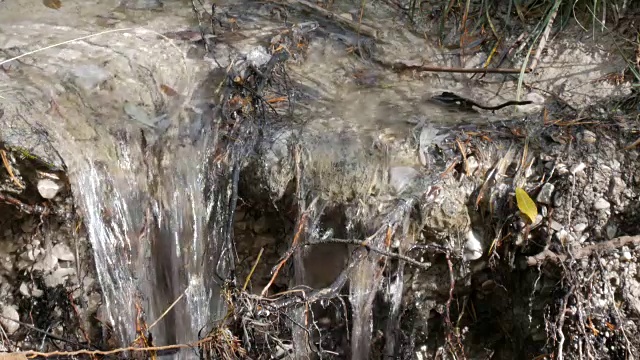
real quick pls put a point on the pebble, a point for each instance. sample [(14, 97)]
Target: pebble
[(601, 204), (555, 226), (579, 227), (612, 230), (62, 252), (626, 256), (58, 277), (10, 312), (473, 247), (578, 168), (48, 188), (545, 194), (47, 263), (589, 137)]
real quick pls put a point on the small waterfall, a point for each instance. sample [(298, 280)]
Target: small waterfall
[(368, 277), (156, 241), (153, 181)]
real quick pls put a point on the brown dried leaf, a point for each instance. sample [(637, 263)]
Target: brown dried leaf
[(168, 90), (52, 4)]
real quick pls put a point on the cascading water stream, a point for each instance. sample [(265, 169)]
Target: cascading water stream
[(156, 246), (156, 206), (367, 278)]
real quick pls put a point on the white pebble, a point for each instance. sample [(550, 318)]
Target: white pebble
[(48, 188), (601, 204)]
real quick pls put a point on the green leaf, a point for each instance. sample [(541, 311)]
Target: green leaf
[(526, 205)]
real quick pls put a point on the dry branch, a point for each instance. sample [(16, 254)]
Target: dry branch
[(548, 255), (401, 66)]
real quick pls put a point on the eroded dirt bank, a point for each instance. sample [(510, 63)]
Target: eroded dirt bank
[(363, 210)]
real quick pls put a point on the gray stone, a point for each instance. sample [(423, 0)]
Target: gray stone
[(47, 263), (579, 227), (616, 187), (24, 289), (473, 247), (578, 168), (62, 252), (555, 226), (545, 194), (9, 313), (611, 230), (601, 204), (6, 263), (48, 188), (58, 277), (588, 137)]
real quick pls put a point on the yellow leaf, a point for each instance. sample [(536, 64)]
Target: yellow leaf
[(526, 205)]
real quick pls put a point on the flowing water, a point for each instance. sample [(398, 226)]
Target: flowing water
[(156, 207), (146, 172)]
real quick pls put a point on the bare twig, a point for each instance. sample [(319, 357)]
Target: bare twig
[(7, 166), (46, 333), (563, 310), (34, 354), (294, 243), (253, 268), (548, 255), (29, 209), (400, 66)]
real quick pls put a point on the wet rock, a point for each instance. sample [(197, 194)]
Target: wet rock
[(9, 313), (473, 247), (545, 195), (48, 188), (258, 56), (601, 204), (62, 252), (88, 77)]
